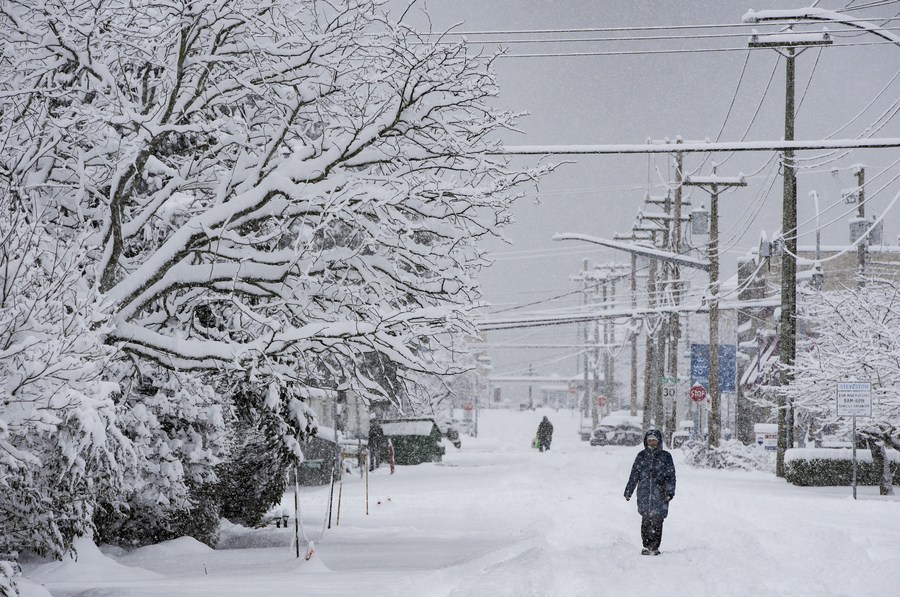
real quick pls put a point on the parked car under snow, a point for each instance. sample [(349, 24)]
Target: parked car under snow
[(617, 433)]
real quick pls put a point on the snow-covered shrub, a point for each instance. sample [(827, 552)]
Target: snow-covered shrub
[(178, 436), (252, 479), (731, 454), (60, 449)]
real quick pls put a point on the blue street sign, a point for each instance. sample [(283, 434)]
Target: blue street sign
[(727, 366)]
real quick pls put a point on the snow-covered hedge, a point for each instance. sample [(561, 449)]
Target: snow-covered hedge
[(732, 454), (818, 467)]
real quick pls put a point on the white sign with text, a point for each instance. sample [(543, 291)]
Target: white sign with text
[(854, 399)]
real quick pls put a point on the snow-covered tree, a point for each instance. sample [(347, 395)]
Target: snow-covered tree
[(854, 335), (269, 181), (253, 479), (262, 191)]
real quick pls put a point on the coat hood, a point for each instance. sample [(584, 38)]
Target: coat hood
[(653, 433)]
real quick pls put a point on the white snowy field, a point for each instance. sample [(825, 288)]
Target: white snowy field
[(498, 518)]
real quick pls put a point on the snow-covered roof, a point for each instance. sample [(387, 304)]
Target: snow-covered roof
[(424, 427)]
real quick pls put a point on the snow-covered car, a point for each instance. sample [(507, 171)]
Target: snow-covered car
[(679, 438), (622, 433)]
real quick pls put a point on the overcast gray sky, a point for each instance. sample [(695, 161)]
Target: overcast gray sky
[(630, 98)]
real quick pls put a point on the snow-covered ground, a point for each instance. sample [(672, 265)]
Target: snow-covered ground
[(499, 518)]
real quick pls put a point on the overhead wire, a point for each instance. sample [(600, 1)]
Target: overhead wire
[(886, 116), (672, 51), (869, 196), (872, 4), (812, 71), (853, 245), (733, 234)]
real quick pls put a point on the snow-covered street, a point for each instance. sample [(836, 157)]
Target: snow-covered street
[(499, 518)]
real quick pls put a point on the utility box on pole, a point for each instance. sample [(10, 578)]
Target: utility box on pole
[(700, 221)]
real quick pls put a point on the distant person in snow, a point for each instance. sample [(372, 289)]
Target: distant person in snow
[(653, 473), (376, 441), (544, 434)]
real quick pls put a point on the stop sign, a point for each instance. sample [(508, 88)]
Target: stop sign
[(601, 400), (698, 393)]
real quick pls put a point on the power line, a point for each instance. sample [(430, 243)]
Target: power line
[(640, 38), (595, 29), (665, 52)]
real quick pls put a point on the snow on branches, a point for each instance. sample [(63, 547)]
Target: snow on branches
[(274, 194), (266, 181), (852, 335)]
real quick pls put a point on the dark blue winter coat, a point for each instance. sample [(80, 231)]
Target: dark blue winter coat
[(653, 473)]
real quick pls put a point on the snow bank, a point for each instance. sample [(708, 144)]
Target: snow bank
[(183, 546), (89, 564)]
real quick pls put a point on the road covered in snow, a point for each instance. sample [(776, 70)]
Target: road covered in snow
[(499, 518)]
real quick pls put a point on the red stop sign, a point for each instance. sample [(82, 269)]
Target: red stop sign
[(698, 393)]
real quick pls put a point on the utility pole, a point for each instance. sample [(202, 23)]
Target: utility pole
[(711, 185), (863, 244), (634, 335), (659, 335), (595, 385), (675, 321), (530, 397), (786, 44), (608, 337), (649, 352), (587, 364)]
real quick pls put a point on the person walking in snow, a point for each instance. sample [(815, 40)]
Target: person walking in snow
[(653, 474), (376, 443), (544, 434)]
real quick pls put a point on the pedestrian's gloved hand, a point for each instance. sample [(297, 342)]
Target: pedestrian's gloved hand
[(627, 497)]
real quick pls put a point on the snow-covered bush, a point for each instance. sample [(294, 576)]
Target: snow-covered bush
[(178, 435), (253, 478), (60, 449), (731, 454)]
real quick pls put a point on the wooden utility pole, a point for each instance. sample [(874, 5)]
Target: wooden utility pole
[(863, 244), (788, 323), (712, 184), (634, 336), (587, 357), (674, 319), (608, 340), (649, 352), (786, 45)]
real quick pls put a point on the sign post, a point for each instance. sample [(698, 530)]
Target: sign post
[(854, 398)]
